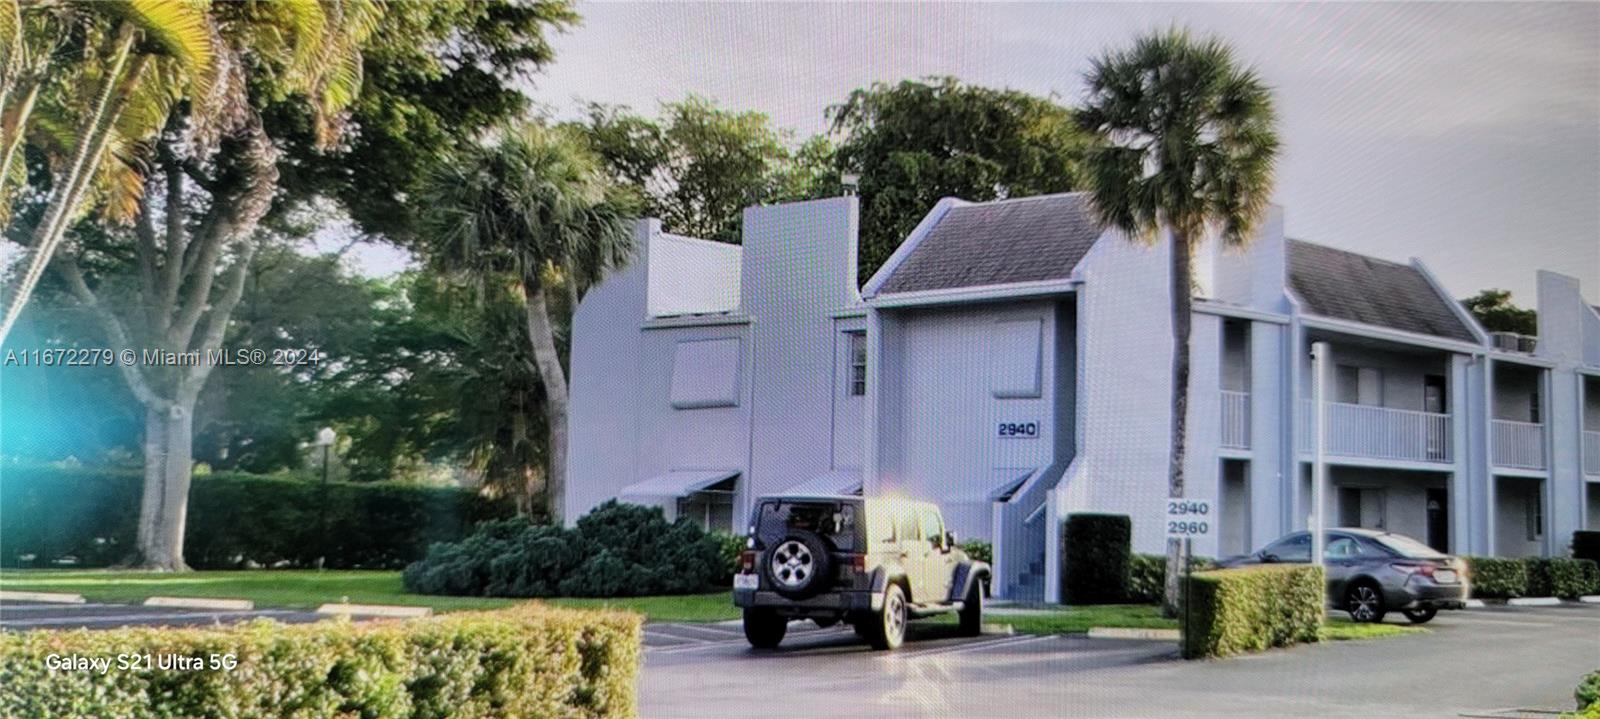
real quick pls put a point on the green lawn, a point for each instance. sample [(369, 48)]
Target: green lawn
[(1336, 630), (1078, 620), (305, 589)]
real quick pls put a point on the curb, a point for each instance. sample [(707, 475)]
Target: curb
[(227, 605), (1534, 602), (1475, 604), (1590, 599), (997, 630), (1164, 635), (375, 610), (42, 597)]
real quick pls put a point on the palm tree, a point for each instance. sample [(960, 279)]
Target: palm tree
[(1185, 142), (140, 57), (532, 209)]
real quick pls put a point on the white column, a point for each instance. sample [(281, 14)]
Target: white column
[(1321, 359)]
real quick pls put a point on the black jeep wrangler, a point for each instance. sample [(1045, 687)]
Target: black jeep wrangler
[(871, 563)]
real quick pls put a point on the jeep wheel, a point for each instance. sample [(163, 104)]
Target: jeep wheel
[(887, 630), (798, 566), (972, 610), (764, 628)]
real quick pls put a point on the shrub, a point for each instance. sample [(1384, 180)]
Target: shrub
[(979, 550), (1095, 558), (732, 546), (1496, 578), (524, 662), (1251, 609), (617, 550), (234, 519), (1586, 545), (1591, 576), (1588, 691), (1558, 577), (1147, 578)]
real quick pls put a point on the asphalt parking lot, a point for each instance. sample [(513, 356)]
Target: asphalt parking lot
[(22, 616), (1498, 663)]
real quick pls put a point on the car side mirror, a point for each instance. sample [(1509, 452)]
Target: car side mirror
[(949, 541)]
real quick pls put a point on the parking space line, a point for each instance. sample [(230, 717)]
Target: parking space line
[(7, 608), (969, 647)]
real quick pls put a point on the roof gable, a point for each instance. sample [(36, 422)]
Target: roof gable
[(1030, 239), (1349, 286)]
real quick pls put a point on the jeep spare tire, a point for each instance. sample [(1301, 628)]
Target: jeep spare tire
[(798, 566)]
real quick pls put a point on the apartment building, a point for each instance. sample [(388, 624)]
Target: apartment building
[(1012, 361)]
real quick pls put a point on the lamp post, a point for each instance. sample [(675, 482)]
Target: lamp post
[(325, 439)]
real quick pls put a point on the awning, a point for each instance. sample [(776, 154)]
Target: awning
[(677, 483), (1002, 484), (838, 481)]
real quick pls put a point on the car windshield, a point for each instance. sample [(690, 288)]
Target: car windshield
[(835, 522), (1407, 547)]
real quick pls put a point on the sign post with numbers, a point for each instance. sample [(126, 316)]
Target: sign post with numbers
[(1187, 519)]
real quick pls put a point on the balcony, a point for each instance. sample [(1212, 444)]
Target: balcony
[(1519, 445), (1370, 432), (1591, 453), (1235, 419)]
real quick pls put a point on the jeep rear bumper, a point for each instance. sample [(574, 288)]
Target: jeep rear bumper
[(827, 603)]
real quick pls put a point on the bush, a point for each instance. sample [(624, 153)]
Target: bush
[(1496, 578), (1588, 691), (1095, 558), (524, 662), (1586, 545), (1591, 576), (1147, 578), (617, 550), (1566, 578), (1251, 609), (733, 546), (979, 550), (234, 519)]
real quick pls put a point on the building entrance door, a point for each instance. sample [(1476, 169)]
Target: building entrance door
[(1439, 519)]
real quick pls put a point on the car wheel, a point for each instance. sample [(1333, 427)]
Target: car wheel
[(798, 566), (764, 628), (1422, 615), (972, 610), (887, 630), (1364, 602)]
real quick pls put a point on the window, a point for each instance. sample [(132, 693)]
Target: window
[(1293, 549), (705, 373), (1535, 514), (932, 527), (906, 524), (858, 362), (1533, 405), (1358, 385), (1342, 548)]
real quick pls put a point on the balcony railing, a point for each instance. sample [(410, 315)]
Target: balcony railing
[(1517, 444), (1369, 432), (1591, 453), (1235, 419)]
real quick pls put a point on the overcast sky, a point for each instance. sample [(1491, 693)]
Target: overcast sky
[(1464, 134)]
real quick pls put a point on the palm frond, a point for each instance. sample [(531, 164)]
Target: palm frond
[(186, 31)]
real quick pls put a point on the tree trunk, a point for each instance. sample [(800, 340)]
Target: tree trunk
[(542, 336), (1182, 299), (164, 506)]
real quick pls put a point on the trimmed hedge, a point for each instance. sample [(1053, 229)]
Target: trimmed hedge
[(1250, 609), (1497, 578), (528, 661), (234, 519), (1558, 577), (617, 550), (1147, 576), (1095, 558)]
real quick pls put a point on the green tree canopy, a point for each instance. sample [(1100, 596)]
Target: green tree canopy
[(1497, 313), (921, 140), (699, 165)]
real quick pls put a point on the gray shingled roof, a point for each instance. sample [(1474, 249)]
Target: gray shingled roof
[(1349, 286), (1029, 239)]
